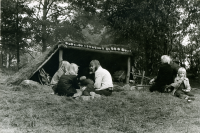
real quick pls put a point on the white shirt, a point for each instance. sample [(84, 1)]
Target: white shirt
[(103, 79)]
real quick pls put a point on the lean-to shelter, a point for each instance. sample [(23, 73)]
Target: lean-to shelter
[(111, 57)]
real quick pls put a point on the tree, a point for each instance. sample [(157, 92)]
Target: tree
[(55, 24), (14, 27), (147, 25)]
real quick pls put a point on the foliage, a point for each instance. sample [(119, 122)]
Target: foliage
[(56, 23), (39, 26), (14, 27), (150, 27)]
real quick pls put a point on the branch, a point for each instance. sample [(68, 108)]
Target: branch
[(49, 7), (41, 2), (28, 53), (36, 16), (38, 10)]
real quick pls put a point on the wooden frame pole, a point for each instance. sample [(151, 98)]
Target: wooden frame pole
[(128, 69), (43, 63), (60, 57)]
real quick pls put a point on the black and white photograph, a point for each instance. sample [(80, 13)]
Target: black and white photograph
[(100, 66)]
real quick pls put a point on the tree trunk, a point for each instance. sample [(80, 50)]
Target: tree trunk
[(165, 44), (1, 59), (7, 61), (147, 56), (17, 36), (44, 17), (128, 70), (2, 56)]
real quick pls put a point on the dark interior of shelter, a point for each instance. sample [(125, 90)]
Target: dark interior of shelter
[(111, 61)]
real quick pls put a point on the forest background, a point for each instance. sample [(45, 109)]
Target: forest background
[(150, 27)]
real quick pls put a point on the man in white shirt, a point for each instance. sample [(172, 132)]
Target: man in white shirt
[(103, 81)]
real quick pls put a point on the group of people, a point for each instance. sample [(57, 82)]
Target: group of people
[(67, 82), (172, 78)]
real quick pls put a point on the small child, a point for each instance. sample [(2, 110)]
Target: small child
[(86, 86), (182, 86)]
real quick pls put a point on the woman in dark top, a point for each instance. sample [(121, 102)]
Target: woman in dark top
[(164, 77), (68, 82)]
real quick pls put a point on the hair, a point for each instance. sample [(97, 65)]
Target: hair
[(182, 69), (82, 77), (96, 63), (65, 66), (73, 69), (165, 59)]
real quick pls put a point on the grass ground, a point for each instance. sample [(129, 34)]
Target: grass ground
[(34, 110)]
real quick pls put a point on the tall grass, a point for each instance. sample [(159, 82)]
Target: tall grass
[(33, 109)]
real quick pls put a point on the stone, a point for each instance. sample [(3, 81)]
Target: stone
[(132, 88), (85, 98), (30, 84)]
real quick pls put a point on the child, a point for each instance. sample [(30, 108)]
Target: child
[(182, 86), (86, 88)]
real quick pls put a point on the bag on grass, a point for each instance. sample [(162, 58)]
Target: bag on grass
[(119, 76), (44, 77)]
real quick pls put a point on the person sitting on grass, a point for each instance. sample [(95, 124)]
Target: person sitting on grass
[(103, 81), (68, 82), (182, 86), (64, 68), (174, 63), (86, 88), (164, 77)]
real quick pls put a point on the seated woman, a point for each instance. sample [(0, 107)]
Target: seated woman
[(63, 69), (164, 77), (68, 82)]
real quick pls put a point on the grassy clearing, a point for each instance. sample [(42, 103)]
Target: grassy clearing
[(33, 109)]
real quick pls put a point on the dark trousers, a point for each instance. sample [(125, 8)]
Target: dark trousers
[(106, 92), (89, 88), (182, 94), (62, 92), (157, 87)]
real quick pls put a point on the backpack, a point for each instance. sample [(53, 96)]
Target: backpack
[(119, 76), (44, 77)]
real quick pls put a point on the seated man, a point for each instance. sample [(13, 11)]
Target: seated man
[(103, 81)]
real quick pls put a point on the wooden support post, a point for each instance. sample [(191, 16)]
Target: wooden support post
[(128, 70), (60, 57), (143, 73)]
